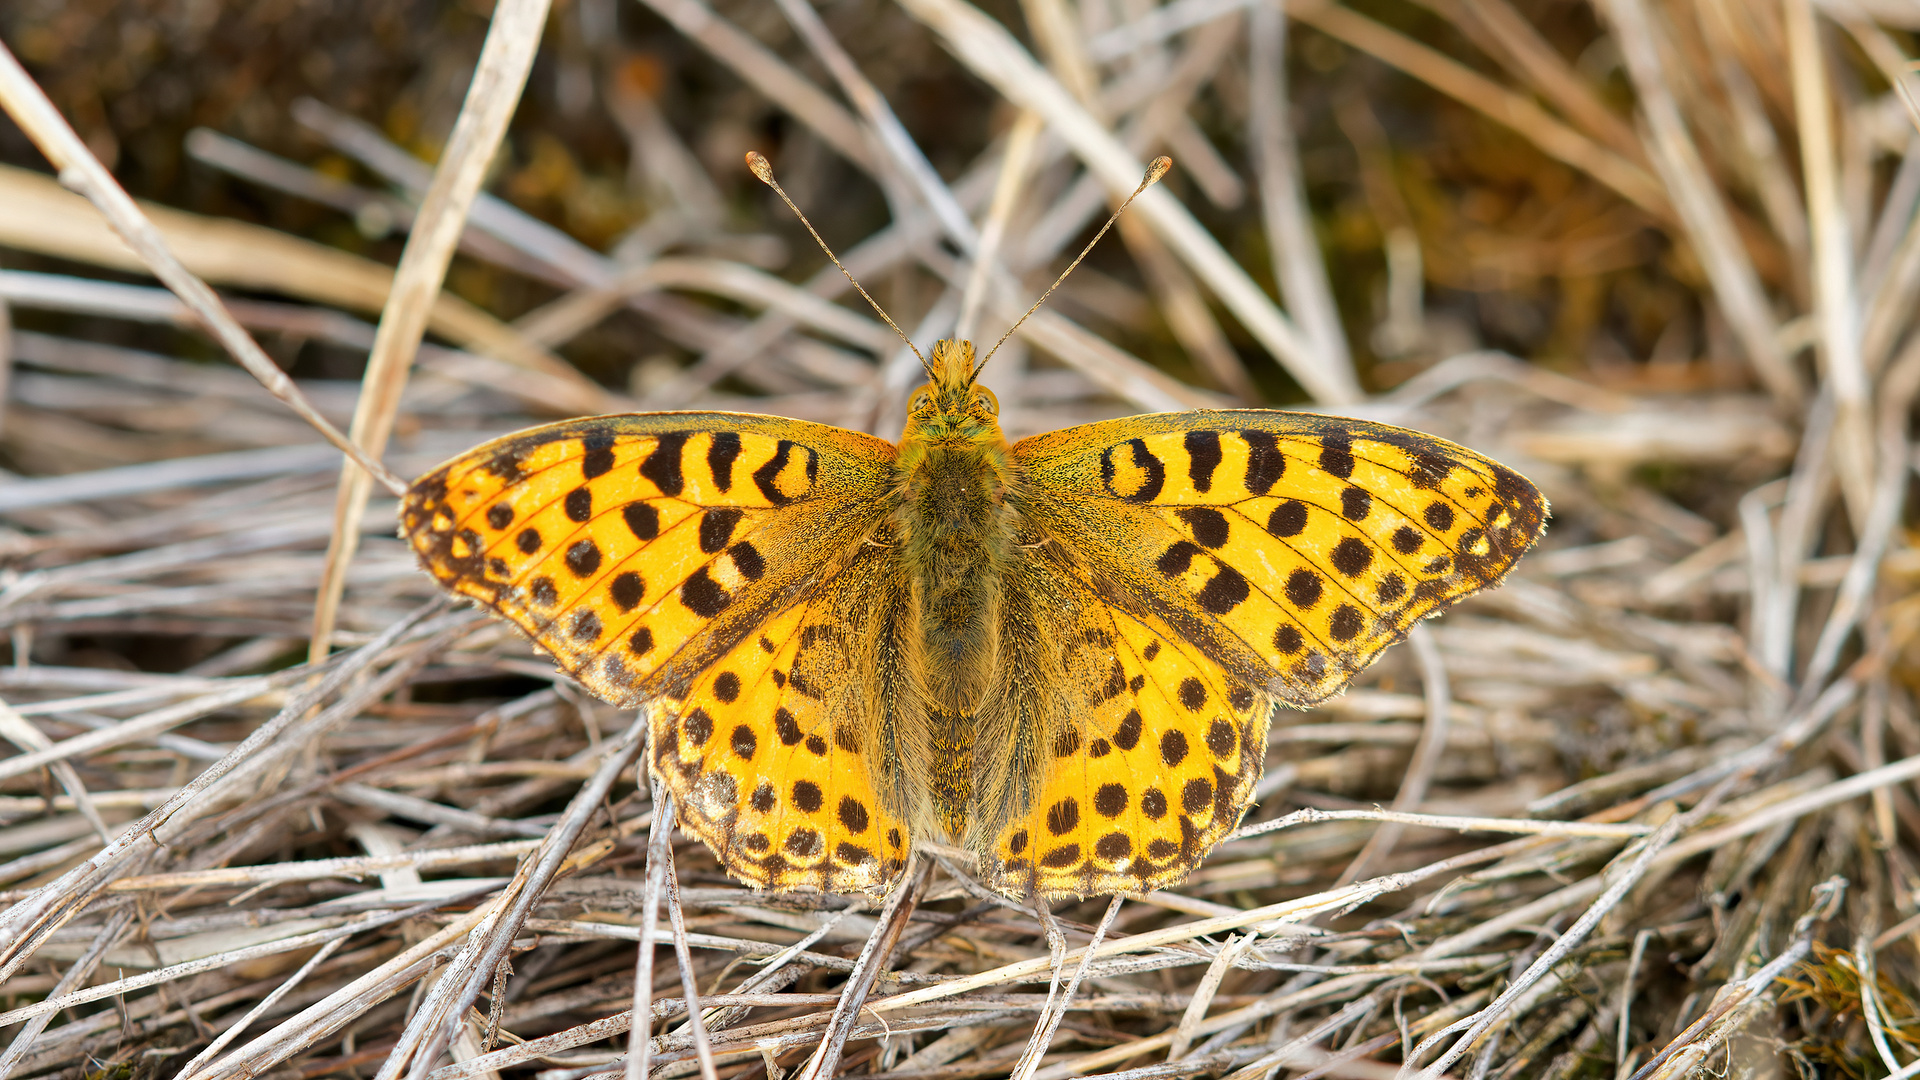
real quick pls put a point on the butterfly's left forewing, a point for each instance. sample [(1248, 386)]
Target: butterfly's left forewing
[(637, 549)]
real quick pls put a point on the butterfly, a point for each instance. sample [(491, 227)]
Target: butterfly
[(1061, 654)]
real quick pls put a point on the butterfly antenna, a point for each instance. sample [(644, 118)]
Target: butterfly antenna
[(1156, 169), (762, 169)]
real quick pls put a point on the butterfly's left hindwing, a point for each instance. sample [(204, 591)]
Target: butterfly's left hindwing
[(1290, 548), (777, 753)]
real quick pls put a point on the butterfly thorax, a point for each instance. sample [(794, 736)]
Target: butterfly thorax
[(957, 533)]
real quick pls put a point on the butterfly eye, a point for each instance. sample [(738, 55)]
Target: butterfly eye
[(984, 399), (920, 400)]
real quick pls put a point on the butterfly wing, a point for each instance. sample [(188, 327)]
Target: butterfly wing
[(1290, 548), (780, 753), (1139, 760), (1202, 566), (699, 563)]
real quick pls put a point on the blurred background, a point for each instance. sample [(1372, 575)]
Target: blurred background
[(1442, 227)]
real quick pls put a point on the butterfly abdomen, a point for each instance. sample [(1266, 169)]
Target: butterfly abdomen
[(957, 540)]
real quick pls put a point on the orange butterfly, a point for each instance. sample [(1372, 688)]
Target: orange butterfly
[(1061, 654)]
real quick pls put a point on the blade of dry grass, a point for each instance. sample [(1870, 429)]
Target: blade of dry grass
[(24, 926), (1014, 163), (765, 71), (433, 1029), (1836, 305), (1520, 47), (78, 973), (907, 892), (1050, 1017), (1295, 250), (1631, 866), (505, 59), (900, 148)]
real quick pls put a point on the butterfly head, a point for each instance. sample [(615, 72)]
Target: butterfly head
[(951, 405)]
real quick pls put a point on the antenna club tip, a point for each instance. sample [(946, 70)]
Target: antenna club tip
[(1158, 168), (757, 163)]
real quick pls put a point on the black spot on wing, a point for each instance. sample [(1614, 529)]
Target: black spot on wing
[(1288, 518), (509, 464), (579, 504), (1352, 556), (765, 476), (627, 590), (1265, 463), (1304, 588), (1192, 693), (747, 560), (1154, 472), (1177, 558), (583, 558), (1063, 816), (1061, 857), (1355, 504), (716, 527), (720, 458), (642, 520), (1336, 455), (703, 595), (1209, 526), (1203, 457), (598, 459), (1224, 591), (806, 796), (853, 814), (662, 465)]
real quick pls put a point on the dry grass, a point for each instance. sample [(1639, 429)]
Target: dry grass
[(1653, 803)]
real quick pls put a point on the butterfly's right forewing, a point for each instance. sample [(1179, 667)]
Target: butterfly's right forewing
[(1291, 547)]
